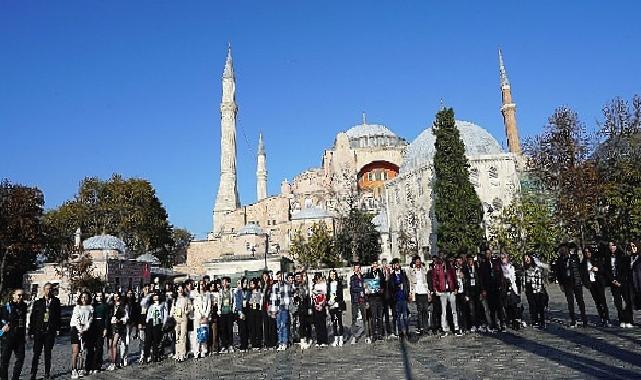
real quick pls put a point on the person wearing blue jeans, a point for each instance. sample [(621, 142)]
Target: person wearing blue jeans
[(399, 290), (283, 301), (282, 325)]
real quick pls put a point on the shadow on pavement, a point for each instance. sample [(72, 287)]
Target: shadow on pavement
[(406, 361), (604, 348), (584, 365)]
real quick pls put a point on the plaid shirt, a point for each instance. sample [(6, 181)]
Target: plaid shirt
[(281, 297)]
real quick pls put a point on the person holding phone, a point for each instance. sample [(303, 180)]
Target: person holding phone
[(13, 321)]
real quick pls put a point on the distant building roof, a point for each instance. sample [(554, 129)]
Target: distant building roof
[(251, 229), (311, 213), (104, 242), (148, 258)]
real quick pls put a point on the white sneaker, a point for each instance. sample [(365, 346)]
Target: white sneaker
[(231, 349), (622, 325), (111, 367), (340, 341), (368, 340), (473, 329), (74, 374), (353, 341), (629, 325)]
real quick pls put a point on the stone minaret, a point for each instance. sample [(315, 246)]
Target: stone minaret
[(227, 198), (508, 109), (261, 171)]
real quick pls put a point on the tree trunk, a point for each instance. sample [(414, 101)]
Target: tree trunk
[(2, 266)]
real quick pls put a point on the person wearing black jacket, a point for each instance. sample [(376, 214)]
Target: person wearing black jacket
[(472, 291), (375, 298), (359, 303), (44, 325), (568, 273), (488, 290), (592, 274), (399, 288), (336, 305), (13, 319), (617, 274)]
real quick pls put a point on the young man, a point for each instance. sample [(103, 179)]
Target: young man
[(359, 303), (618, 273), (13, 322), (445, 285), (472, 292), (43, 328), (387, 269), (568, 271), (305, 310), (420, 293), (399, 288), (592, 274), (226, 313), (375, 292)]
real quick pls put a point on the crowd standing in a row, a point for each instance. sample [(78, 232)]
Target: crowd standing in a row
[(197, 318)]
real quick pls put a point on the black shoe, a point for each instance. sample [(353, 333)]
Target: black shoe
[(573, 324)]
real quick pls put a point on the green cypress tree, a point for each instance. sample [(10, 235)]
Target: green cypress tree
[(457, 207)]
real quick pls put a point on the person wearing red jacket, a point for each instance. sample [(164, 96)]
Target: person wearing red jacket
[(445, 285)]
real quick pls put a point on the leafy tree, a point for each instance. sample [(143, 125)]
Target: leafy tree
[(317, 250), (560, 159), (405, 246), (21, 233), (181, 237), (356, 238), (127, 208), (528, 226), (617, 161), (457, 207)]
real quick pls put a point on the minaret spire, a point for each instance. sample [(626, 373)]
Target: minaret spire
[(261, 170), (227, 199), (508, 109), (502, 72)]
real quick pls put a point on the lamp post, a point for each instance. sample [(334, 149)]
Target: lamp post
[(266, 248)]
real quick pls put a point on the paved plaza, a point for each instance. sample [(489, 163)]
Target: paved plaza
[(558, 352)]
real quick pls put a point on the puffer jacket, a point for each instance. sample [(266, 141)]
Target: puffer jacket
[(443, 274)]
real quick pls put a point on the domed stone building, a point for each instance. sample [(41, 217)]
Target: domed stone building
[(493, 173), (368, 165)]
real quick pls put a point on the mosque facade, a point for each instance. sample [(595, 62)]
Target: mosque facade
[(369, 166)]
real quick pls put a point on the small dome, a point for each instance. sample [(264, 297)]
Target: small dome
[(104, 242), (477, 142), (148, 258), (311, 213), (250, 229)]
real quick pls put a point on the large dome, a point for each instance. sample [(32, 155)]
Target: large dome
[(104, 242), (477, 142), (372, 135)]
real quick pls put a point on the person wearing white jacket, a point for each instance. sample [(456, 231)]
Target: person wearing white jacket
[(156, 319), (513, 297), (81, 318), (202, 310)]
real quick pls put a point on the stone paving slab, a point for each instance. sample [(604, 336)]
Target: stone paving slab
[(558, 352)]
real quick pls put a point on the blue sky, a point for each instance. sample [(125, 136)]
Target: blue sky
[(89, 88)]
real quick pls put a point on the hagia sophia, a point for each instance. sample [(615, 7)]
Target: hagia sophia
[(368, 165)]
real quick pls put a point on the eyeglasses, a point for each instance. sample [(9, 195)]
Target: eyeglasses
[(19, 294)]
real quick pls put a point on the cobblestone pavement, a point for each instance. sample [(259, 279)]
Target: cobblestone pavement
[(558, 352)]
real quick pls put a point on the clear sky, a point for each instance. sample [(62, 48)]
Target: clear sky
[(89, 88)]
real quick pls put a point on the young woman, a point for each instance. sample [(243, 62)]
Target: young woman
[(593, 279), (255, 314), (320, 310), (81, 318), (130, 304), (202, 309), (226, 313), (118, 329), (180, 311), (214, 340), (156, 319), (534, 287), (241, 298), (511, 293), (335, 303), (98, 332)]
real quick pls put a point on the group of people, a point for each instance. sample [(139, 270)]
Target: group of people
[(618, 269), (197, 318)]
